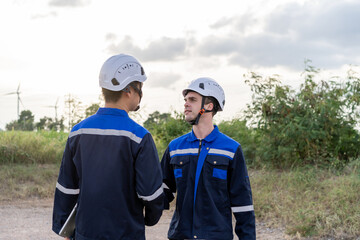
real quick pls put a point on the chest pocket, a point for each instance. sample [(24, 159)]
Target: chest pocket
[(217, 167), (180, 166)]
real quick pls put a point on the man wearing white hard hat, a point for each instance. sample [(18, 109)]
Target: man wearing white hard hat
[(110, 167), (207, 171)]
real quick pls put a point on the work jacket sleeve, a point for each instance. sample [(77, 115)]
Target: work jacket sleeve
[(169, 183), (149, 180), (241, 197), (67, 190)]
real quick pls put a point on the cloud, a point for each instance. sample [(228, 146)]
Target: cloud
[(69, 3), (214, 45), (162, 80), (39, 16), (331, 22), (163, 49), (9, 63), (110, 37), (268, 51), (242, 24), (221, 23), (324, 31)]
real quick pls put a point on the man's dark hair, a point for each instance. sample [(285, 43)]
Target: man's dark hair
[(111, 96), (114, 96)]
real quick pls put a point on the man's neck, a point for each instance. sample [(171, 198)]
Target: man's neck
[(203, 129), (117, 105)]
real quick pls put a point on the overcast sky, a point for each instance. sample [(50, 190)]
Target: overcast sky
[(56, 47)]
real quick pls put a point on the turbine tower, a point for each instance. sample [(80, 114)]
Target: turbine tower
[(55, 107), (18, 100)]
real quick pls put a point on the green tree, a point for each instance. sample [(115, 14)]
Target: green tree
[(164, 128), (57, 125), (24, 123), (74, 110), (42, 123), (47, 123), (92, 109), (156, 118)]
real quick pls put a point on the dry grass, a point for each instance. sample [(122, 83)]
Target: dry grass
[(20, 181), (309, 202)]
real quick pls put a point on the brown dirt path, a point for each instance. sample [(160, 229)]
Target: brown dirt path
[(32, 220)]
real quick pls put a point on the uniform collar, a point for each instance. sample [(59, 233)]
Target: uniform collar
[(209, 138), (112, 111)]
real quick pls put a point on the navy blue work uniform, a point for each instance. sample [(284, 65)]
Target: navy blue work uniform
[(211, 181), (111, 169)]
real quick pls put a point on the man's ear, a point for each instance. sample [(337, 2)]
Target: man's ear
[(209, 106)]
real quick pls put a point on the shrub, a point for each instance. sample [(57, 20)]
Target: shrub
[(316, 125), (247, 137), (165, 128)]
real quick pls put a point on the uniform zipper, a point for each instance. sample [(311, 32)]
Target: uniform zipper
[(193, 230), (200, 141)]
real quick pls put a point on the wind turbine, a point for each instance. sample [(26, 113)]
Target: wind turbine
[(55, 107), (18, 99)]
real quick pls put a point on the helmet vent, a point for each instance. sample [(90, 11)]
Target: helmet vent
[(201, 85), (115, 82)]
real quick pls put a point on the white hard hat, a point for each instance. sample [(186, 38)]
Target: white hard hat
[(120, 70), (207, 87)]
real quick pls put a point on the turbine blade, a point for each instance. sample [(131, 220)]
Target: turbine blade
[(10, 93), (22, 103)]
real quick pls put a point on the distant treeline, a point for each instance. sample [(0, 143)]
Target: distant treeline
[(281, 127)]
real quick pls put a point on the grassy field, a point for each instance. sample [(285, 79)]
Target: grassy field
[(29, 163), (31, 147), (307, 201)]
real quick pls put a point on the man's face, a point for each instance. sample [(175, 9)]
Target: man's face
[(192, 105)]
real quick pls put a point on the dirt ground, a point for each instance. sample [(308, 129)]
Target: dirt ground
[(32, 220)]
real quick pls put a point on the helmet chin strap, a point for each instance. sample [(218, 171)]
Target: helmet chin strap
[(195, 121)]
